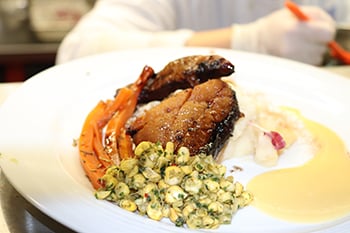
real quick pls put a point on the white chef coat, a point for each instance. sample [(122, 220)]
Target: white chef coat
[(123, 24)]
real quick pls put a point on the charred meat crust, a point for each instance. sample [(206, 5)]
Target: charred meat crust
[(223, 130), (183, 73), (201, 118)]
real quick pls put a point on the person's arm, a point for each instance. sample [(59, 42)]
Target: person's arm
[(283, 34), (123, 24), (280, 34), (220, 38)]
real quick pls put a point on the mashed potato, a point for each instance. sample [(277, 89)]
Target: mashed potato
[(251, 133)]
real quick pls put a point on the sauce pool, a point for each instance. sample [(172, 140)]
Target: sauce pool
[(317, 191)]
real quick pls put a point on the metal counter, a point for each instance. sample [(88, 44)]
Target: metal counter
[(19, 216)]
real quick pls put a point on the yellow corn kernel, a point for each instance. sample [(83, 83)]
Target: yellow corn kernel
[(141, 147), (173, 215), (211, 185), (216, 207), (238, 189), (169, 150), (173, 175), (127, 165), (122, 190), (174, 193), (183, 155), (154, 210), (151, 175), (128, 205)]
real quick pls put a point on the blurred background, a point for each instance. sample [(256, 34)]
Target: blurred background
[(30, 33)]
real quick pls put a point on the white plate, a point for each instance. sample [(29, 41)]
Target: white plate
[(40, 120)]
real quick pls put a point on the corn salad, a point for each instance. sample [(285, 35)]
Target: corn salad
[(162, 183)]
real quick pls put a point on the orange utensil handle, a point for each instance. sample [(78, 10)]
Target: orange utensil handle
[(336, 50), (294, 8)]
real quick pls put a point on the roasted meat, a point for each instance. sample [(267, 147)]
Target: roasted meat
[(201, 118), (183, 73)]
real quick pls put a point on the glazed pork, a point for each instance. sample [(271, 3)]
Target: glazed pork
[(201, 118), (183, 73)]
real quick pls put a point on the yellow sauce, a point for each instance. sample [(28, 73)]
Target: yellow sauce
[(316, 191)]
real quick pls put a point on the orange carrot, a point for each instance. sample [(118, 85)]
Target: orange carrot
[(116, 125), (89, 160), (94, 156), (99, 150), (112, 106), (124, 144)]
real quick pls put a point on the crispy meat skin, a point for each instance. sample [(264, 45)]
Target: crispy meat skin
[(185, 73), (201, 118)]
